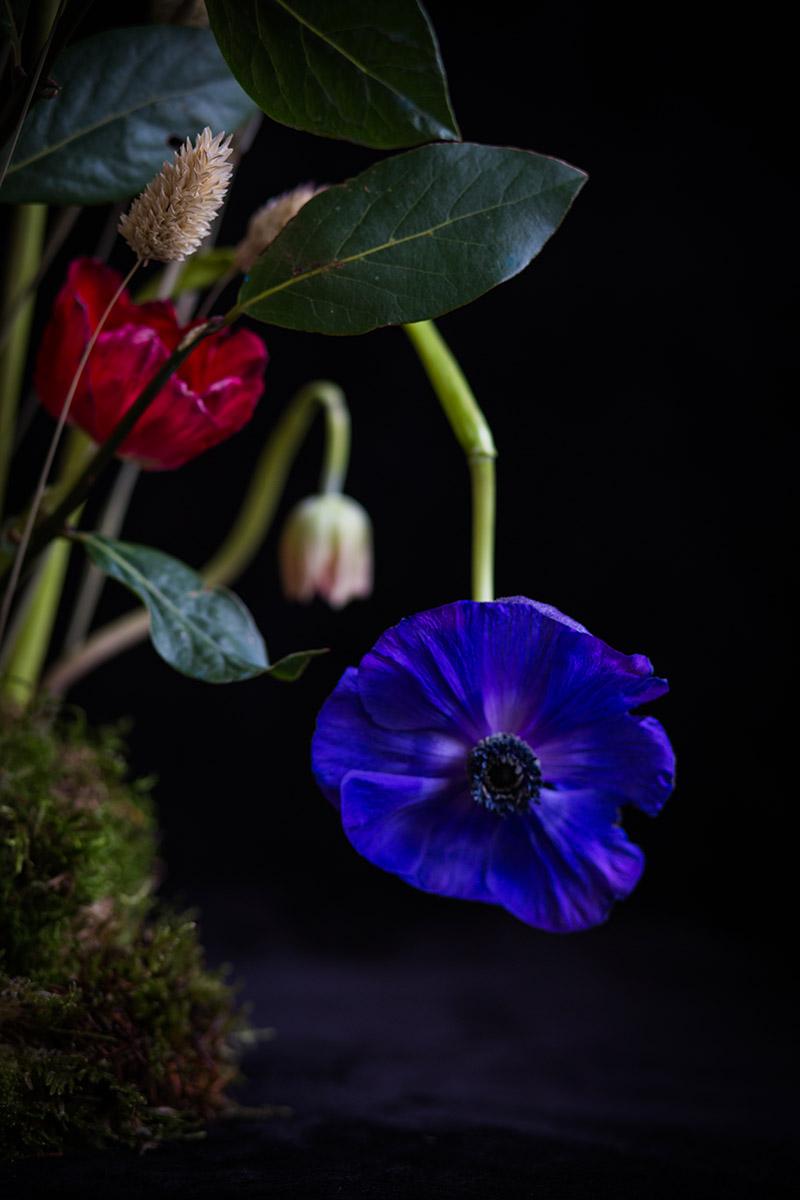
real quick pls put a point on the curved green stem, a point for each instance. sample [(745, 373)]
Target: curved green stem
[(29, 641), (25, 250), (269, 477), (474, 436), (30, 645), (336, 455), (250, 527)]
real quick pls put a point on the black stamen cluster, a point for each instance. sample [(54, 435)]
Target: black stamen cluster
[(504, 774)]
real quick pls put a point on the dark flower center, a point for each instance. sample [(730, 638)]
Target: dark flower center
[(504, 774)]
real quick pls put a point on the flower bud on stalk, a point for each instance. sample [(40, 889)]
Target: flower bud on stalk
[(268, 221), (326, 550)]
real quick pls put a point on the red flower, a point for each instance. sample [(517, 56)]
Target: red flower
[(211, 396)]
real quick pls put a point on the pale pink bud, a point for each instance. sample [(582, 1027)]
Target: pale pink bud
[(326, 550)]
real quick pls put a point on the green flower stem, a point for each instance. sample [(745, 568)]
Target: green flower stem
[(56, 236), (249, 529), (29, 643), (25, 249), (269, 478), (336, 455), (475, 438), (482, 477), (27, 657)]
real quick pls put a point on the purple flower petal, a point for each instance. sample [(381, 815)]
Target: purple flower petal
[(425, 830), (628, 758), (504, 667), (346, 739), (425, 673), (562, 867), (393, 744), (547, 610)]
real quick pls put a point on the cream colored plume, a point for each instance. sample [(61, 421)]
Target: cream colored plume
[(267, 222), (174, 212)]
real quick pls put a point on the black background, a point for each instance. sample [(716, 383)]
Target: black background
[(626, 375)]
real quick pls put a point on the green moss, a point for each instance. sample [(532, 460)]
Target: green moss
[(72, 835), (111, 1028)]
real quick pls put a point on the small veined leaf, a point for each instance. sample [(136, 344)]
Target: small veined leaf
[(410, 238), (366, 72), (127, 98), (197, 273), (206, 633), (291, 666)]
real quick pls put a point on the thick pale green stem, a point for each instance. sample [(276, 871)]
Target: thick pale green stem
[(30, 640), (250, 527), (56, 237), (474, 436), (482, 477), (27, 657), (25, 251)]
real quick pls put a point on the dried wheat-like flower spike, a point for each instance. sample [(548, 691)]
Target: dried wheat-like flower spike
[(267, 222), (169, 220)]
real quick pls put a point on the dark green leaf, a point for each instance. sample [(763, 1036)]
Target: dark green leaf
[(291, 666), (411, 238), (359, 70), (205, 633), (197, 273), (126, 97)]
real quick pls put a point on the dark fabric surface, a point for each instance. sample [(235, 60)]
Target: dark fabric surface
[(475, 1058)]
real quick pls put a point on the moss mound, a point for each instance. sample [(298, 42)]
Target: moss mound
[(111, 1029)]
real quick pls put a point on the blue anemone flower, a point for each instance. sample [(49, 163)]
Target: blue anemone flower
[(483, 750)]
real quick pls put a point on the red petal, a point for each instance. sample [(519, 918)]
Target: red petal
[(240, 354), (212, 397), (90, 284), (158, 315), (120, 366)]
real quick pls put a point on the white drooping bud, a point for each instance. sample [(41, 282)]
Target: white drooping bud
[(169, 220), (326, 550), (268, 221)]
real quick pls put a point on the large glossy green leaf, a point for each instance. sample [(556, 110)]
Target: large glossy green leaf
[(206, 633), (364, 71), (125, 97), (411, 238)]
